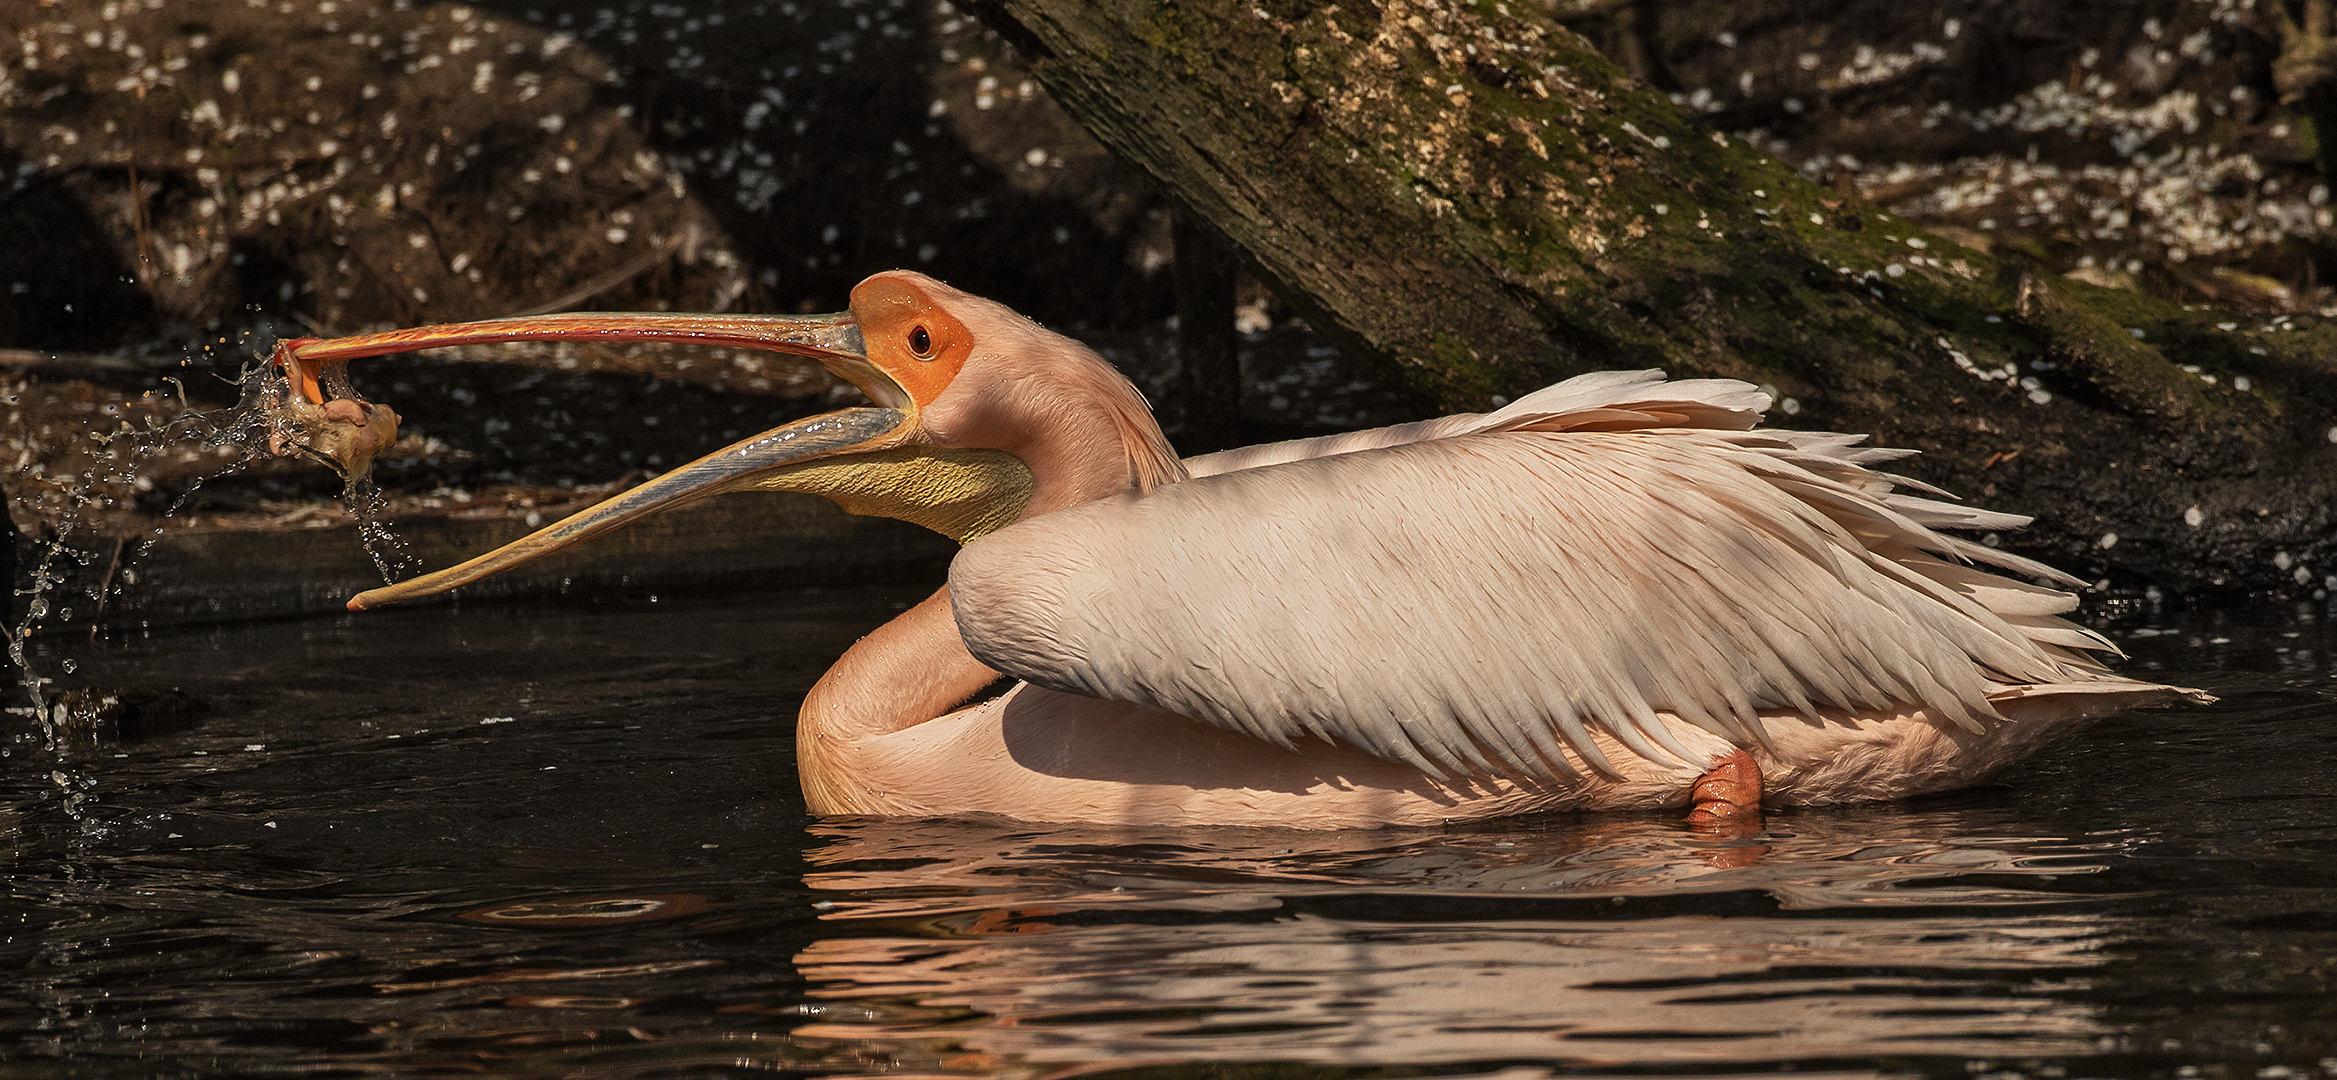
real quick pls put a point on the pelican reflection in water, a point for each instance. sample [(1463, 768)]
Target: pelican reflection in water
[(1863, 933)]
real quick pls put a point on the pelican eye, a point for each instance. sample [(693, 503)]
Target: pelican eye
[(921, 343)]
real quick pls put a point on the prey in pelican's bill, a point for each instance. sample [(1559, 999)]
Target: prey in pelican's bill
[(317, 417), (1616, 592)]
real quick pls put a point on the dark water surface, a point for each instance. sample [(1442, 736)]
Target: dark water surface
[(566, 841)]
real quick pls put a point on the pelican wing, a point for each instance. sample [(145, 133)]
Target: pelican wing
[(1475, 595)]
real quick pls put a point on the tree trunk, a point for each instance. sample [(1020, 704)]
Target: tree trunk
[(1476, 202)]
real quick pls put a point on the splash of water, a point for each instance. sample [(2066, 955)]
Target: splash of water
[(120, 462), (390, 553)]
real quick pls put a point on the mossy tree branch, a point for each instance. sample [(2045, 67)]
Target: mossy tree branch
[(1470, 197)]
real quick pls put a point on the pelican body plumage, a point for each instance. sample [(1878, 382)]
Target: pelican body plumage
[(1619, 591)]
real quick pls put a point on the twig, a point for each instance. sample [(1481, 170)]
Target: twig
[(72, 363), (105, 585), (138, 229)]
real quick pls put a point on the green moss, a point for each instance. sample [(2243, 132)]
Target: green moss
[(1465, 382), (2126, 307)]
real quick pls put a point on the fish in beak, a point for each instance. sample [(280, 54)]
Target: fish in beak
[(873, 460)]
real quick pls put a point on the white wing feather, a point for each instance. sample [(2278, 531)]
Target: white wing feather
[(1474, 594)]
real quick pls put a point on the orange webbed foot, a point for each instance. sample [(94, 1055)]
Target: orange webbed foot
[(1728, 792)]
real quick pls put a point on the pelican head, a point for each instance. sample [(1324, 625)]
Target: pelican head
[(978, 417)]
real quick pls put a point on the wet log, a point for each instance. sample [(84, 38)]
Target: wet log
[(1476, 202)]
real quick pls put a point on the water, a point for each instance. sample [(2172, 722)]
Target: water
[(566, 840)]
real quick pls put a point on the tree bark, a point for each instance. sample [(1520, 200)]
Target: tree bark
[(1471, 199)]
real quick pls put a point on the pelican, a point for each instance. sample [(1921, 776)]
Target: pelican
[(1615, 592)]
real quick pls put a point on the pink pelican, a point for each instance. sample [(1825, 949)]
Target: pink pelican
[(1615, 592)]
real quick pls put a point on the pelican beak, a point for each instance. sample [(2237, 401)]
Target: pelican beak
[(758, 463), (833, 340)]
